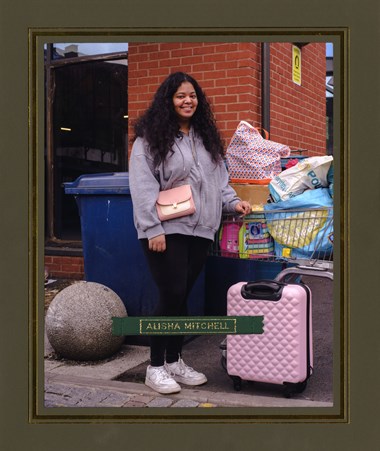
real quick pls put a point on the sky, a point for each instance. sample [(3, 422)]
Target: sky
[(97, 48), (329, 49), (109, 47)]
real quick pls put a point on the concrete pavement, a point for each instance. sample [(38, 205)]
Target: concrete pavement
[(95, 384), (119, 381), (78, 391)]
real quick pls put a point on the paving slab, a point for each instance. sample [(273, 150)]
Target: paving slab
[(160, 402), (128, 357), (186, 403)]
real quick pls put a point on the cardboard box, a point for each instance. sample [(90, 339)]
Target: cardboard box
[(254, 194)]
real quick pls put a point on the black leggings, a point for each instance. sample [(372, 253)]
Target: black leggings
[(174, 272)]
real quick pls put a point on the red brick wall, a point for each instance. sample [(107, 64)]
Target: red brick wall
[(63, 267), (230, 74), (298, 113), (223, 70)]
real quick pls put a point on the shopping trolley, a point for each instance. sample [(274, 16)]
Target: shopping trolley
[(300, 238)]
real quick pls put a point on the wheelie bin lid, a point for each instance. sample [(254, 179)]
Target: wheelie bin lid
[(106, 183)]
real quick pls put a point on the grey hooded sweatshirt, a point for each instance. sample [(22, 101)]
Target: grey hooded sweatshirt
[(187, 163)]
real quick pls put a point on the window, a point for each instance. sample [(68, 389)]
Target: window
[(87, 129)]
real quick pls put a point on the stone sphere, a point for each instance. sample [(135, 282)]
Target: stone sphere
[(79, 321)]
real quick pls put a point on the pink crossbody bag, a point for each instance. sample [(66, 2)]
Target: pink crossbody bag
[(175, 202)]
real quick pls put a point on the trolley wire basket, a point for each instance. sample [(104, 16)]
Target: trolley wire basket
[(300, 236)]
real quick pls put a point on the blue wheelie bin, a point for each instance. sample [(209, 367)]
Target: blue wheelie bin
[(112, 253)]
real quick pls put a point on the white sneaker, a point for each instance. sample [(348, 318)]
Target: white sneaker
[(183, 373), (159, 380)]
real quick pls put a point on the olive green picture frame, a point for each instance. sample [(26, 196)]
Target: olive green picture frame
[(354, 31)]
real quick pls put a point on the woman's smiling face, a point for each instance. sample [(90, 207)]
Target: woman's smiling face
[(185, 102)]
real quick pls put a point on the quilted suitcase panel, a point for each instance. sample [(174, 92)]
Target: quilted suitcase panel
[(283, 353)]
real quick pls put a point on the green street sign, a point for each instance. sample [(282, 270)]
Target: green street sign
[(193, 325)]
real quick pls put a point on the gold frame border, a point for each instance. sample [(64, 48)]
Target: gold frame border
[(316, 34)]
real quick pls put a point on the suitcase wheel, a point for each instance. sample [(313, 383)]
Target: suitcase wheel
[(237, 382), (291, 389), (223, 361)]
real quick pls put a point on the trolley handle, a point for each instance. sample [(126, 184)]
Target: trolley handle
[(263, 290), (293, 273)]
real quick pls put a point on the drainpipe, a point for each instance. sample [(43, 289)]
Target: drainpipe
[(265, 86)]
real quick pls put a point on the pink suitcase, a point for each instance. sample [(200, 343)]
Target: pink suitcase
[(283, 354)]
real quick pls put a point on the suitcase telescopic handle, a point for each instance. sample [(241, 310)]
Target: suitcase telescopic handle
[(268, 290)]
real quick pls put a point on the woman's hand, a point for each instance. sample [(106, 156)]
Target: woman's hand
[(243, 207), (157, 244)]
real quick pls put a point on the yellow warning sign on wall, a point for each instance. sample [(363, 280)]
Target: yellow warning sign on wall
[(296, 57)]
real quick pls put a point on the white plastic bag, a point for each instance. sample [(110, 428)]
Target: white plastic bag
[(309, 173), (302, 226)]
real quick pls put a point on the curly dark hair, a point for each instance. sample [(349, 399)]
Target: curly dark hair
[(159, 124)]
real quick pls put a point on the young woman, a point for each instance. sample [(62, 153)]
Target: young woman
[(177, 142)]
